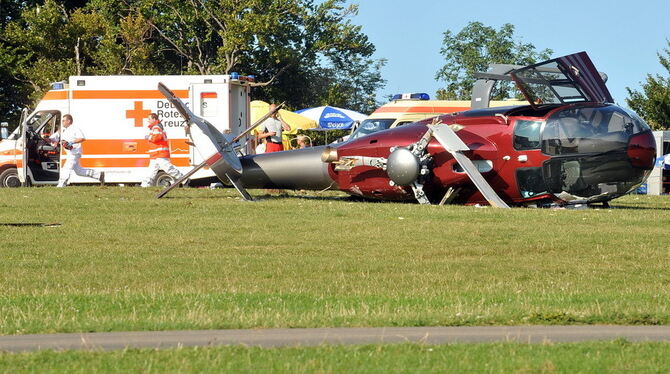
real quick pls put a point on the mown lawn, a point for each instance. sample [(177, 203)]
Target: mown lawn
[(202, 259), (597, 357)]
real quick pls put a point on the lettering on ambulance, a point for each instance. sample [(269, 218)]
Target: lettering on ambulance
[(169, 116)]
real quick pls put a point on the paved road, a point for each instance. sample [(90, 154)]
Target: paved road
[(309, 337)]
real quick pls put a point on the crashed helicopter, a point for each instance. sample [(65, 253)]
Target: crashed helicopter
[(570, 145)]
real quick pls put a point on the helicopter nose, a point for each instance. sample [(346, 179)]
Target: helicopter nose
[(642, 150)]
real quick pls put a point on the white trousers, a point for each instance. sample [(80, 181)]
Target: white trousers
[(72, 164), (156, 165)]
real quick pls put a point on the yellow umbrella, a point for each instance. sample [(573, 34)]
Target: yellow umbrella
[(260, 108)]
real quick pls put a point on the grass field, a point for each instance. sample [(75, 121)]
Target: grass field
[(602, 357), (201, 259), (122, 260)]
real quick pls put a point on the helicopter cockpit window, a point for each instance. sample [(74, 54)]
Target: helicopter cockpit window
[(370, 126), (548, 84), (590, 130), (590, 146), (527, 135)]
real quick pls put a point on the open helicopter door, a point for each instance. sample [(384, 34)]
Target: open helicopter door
[(454, 145), (213, 146), (564, 80)]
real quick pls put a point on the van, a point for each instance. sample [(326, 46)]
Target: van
[(111, 112), (408, 108)]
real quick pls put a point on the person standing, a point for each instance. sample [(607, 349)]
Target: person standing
[(159, 152), (271, 131), (70, 138)]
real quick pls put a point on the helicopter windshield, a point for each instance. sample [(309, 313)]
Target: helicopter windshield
[(590, 146), (590, 130), (370, 126)]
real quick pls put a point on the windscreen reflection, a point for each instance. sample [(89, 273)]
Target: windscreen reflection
[(590, 145), (370, 126)]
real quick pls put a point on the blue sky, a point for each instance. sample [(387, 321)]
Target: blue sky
[(622, 37)]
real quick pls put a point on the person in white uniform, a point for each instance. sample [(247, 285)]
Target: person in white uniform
[(70, 138)]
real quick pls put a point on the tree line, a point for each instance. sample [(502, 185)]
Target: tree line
[(308, 52), (476, 45)]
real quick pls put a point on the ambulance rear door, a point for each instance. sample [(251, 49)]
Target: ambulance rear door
[(209, 101)]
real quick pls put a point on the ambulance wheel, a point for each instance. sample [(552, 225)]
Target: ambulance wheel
[(10, 178), (164, 179)]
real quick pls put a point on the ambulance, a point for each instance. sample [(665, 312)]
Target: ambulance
[(112, 112), (412, 107)]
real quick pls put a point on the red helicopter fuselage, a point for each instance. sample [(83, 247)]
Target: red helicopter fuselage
[(505, 162)]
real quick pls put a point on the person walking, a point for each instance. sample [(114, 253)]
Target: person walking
[(271, 131), (70, 138), (159, 152)]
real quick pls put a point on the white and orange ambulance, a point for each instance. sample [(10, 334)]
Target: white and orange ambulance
[(412, 107), (111, 111)]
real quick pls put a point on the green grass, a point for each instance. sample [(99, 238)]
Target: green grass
[(599, 357), (122, 260)]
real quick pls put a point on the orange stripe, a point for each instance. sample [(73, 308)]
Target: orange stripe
[(208, 95), (55, 95), (11, 152), (421, 109), (124, 162), (125, 94), (128, 146)]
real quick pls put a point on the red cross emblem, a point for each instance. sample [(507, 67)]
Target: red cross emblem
[(138, 113)]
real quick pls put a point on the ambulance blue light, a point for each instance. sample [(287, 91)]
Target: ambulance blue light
[(252, 78), (411, 96), (57, 86), (234, 76)]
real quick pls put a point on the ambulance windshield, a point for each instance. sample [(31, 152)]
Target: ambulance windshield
[(370, 126)]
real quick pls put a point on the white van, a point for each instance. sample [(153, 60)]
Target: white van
[(111, 112)]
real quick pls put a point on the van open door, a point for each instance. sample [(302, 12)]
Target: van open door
[(21, 141)]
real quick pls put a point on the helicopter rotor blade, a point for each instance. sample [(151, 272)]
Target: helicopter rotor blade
[(223, 160), (454, 145)]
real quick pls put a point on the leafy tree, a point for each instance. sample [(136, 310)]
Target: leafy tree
[(653, 102), (472, 49), (307, 52), (294, 45)]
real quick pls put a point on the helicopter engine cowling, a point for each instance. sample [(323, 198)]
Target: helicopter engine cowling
[(403, 167)]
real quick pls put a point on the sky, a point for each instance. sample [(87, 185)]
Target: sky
[(621, 37)]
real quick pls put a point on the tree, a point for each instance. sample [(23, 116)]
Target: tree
[(653, 102), (306, 51), (290, 44), (472, 50)]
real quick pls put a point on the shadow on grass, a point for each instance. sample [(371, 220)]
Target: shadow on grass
[(622, 207)]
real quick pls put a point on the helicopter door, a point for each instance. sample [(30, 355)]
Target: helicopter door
[(563, 80)]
